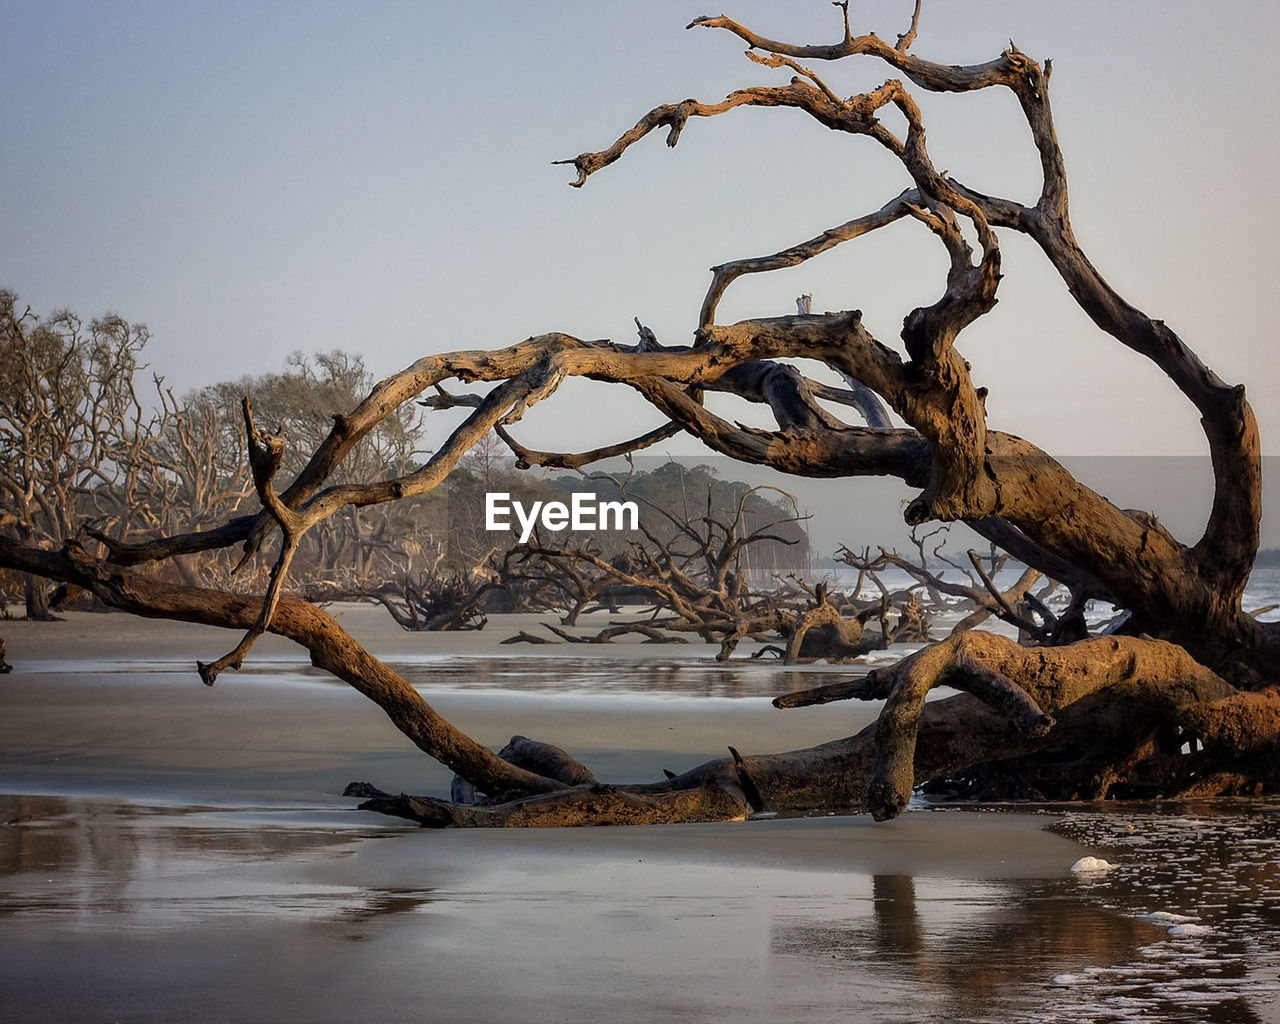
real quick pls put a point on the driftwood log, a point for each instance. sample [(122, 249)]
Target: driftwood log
[(1185, 702)]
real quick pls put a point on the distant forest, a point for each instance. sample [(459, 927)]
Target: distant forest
[(95, 448)]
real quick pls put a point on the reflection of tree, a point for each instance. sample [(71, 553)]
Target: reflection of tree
[(1031, 934), (388, 902), (1217, 869), (106, 858), (898, 926), (76, 839)]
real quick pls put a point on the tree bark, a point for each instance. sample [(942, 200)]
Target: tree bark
[(1097, 715), (36, 595)]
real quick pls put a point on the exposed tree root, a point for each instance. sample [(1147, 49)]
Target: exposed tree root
[(1028, 686), (1041, 723), (1090, 718)]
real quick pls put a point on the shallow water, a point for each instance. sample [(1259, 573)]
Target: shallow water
[(1206, 878), (604, 675), (1185, 927), (170, 852), (671, 921), (89, 864)]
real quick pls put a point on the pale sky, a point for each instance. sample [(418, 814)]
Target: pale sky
[(253, 178)]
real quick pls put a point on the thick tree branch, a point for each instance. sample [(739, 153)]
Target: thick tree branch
[(526, 457), (928, 75), (995, 669), (726, 273), (265, 453)]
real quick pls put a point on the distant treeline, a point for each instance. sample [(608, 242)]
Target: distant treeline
[(91, 441)]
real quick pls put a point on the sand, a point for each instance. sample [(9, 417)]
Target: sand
[(174, 852)]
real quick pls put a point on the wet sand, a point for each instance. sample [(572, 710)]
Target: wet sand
[(103, 697), (173, 852), (208, 919)]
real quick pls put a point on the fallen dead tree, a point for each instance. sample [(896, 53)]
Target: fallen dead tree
[(694, 582), (1185, 701), (432, 599), (1016, 604), (824, 630), (571, 584)]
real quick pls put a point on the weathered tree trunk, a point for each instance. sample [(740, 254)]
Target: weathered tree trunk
[(1069, 714), (36, 593), (1189, 703)]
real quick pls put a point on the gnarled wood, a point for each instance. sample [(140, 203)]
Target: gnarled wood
[(1080, 718)]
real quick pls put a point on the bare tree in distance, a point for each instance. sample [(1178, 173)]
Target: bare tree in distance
[(77, 430), (1189, 670)]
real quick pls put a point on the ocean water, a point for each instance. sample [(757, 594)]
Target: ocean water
[(1261, 594), (1205, 878), (1263, 591)]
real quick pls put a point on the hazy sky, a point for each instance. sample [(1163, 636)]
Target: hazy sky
[(252, 178)]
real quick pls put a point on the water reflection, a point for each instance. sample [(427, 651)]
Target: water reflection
[(596, 676), (1207, 876), (388, 902), (1186, 928), (966, 950), (97, 864)]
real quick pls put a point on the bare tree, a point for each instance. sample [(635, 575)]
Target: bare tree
[(1087, 716), (434, 598), (1016, 604), (74, 433), (695, 578)]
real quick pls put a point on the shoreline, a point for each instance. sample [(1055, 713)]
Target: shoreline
[(175, 851), (119, 636), (105, 695)]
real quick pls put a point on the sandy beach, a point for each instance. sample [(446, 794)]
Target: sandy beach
[(174, 852)]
